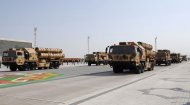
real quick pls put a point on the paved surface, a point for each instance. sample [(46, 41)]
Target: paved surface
[(163, 86), (68, 70)]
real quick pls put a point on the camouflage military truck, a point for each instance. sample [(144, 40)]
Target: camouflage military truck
[(176, 58), (163, 57), (136, 57), (31, 59), (96, 58), (184, 57)]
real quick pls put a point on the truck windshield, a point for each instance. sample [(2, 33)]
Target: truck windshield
[(122, 50), (9, 54), (90, 55), (159, 54)]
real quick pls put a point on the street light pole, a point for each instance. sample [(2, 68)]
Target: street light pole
[(156, 43), (88, 44), (35, 29)]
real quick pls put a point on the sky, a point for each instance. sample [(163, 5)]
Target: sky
[(66, 24)]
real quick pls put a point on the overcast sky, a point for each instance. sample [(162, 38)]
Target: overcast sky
[(66, 24)]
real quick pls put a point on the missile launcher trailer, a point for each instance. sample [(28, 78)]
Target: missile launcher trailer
[(49, 58)]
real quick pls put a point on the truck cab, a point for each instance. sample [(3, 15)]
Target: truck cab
[(22, 59), (163, 57), (128, 55)]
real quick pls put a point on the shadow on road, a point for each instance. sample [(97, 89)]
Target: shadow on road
[(110, 73)]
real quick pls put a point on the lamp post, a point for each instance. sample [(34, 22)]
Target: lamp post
[(88, 44), (35, 29), (156, 43)]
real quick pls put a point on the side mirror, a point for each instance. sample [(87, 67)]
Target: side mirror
[(107, 49)]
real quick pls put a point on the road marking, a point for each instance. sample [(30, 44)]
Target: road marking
[(35, 99), (110, 90), (9, 80)]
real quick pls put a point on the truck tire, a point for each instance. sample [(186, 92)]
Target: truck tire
[(117, 69), (141, 68), (97, 64), (138, 70), (56, 67), (13, 68), (33, 66), (170, 63), (21, 68), (89, 64), (152, 66)]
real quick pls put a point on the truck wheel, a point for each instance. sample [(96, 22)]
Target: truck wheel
[(152, 66), (97, 64), (13, 68), (116, 69), (21, 68), (137, 70), (120, 69), (26, 66), (89, 64), (56, 66), (149, 69), (33, 66), (170, 63), (142, 70)]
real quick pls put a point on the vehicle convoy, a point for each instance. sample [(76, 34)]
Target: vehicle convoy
[(96, 58), (136, 57), (32, 58), (176, 57), (163, 57)]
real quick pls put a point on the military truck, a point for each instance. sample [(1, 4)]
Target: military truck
[(184, 57), (163, 57), (96, 58), (136, 57), (176, 58), (31, 58)]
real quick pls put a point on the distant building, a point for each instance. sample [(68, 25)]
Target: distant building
[(7, 43)]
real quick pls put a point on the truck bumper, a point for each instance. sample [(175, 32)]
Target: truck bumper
[(124, 64)]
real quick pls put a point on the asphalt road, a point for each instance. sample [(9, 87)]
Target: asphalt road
[(98, 85), (68, 71)]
